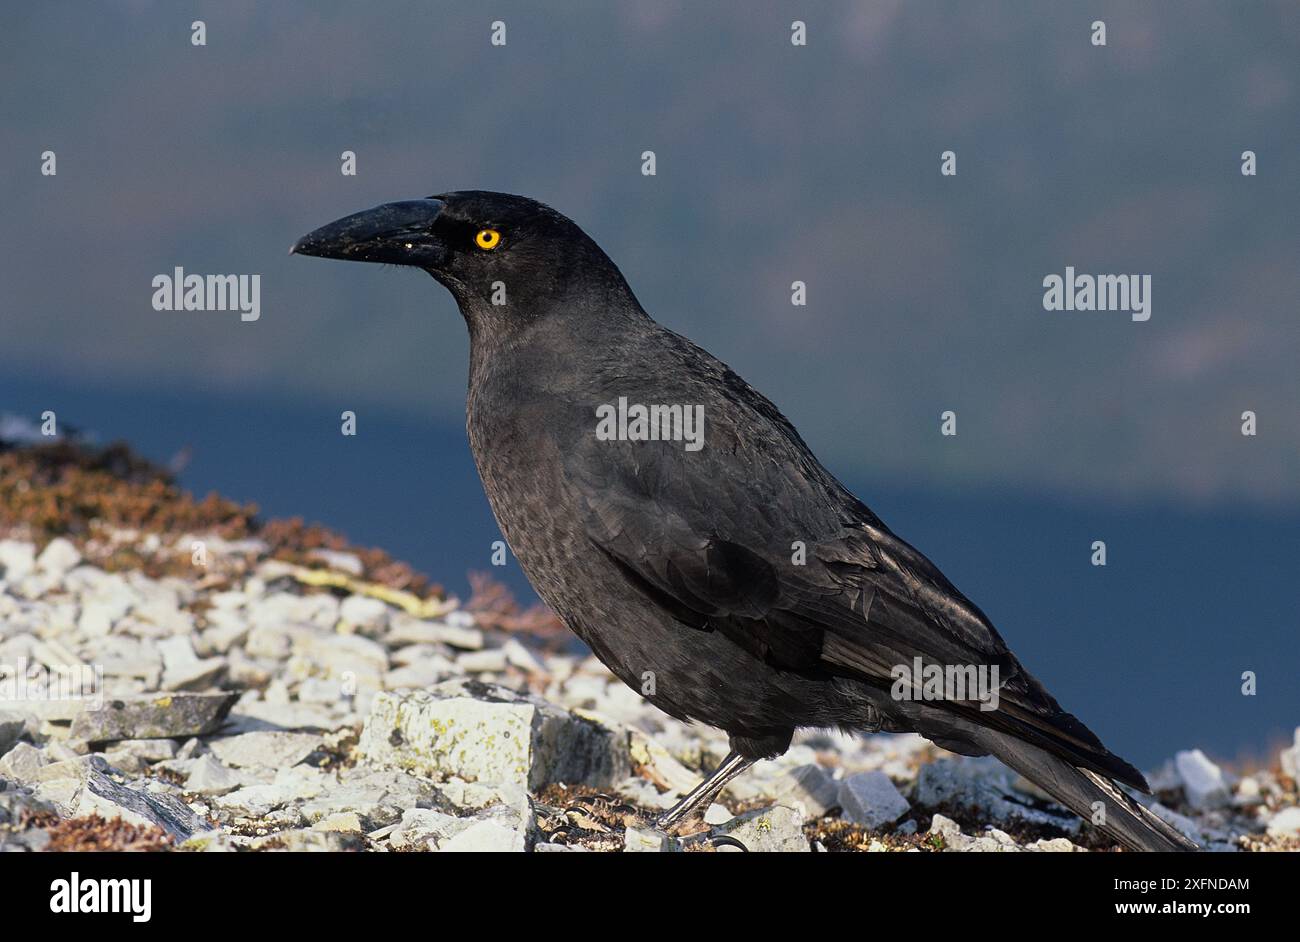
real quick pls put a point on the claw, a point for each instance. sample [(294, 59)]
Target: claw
[(726, 840)]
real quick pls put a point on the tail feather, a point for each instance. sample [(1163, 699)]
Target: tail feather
[(1132, 825)]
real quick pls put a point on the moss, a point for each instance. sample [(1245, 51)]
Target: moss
[(78, 491)]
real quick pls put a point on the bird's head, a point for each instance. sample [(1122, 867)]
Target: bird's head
[(506, 259)]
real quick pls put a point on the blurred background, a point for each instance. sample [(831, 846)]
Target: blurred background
[(774, 163)]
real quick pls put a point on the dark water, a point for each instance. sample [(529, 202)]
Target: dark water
[(1149, 650)]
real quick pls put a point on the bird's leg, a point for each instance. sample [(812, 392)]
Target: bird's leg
[(698, 799)]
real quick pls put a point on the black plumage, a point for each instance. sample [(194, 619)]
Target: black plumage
[(681, 568)]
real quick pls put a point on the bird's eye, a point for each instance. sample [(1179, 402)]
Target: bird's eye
[(487, 238)]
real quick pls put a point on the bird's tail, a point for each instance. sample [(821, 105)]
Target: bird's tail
[(1078, 789)]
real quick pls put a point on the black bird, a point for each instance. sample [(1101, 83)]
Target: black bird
[(730, 579)]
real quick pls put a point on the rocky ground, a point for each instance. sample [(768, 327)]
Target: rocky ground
[(267, 687)]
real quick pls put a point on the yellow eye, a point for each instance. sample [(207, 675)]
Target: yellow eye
[(487, 238)]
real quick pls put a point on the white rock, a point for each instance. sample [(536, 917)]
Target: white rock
[(94, 792), (354, 655), (717, 814), (124, 656), (1165, 778), (58, 558), (950, 831), (320, 690), (485, 836), (380, 797), (623, 704), (458, 635), (1202, 780), (1057, 845), (256, 801), (339, 561), (210, 777), (424, 674), (35, 585), (197, 675), (365, 612), (226, 628), (150, 750), (490, 661), (12, 726), (246, 672), (405, 629), (86, 579), (111, 597), (984, 788), (643, 794), (510, 803), (346, 822), (283, 610), (559, 667), (767, 829), (228, 601), (521, 657), (425, 829), (1286, 823), (638, 840), (269, 641), (488, 733), (94, 621), (256, 717), (657, 761), (1248, 793), (1001, 839), (809, 786), (163, 612), (176, 651), (404, 655), (460, 619), (17, 560), (22, 763), (266, 748), (870, 799), (583, 690)]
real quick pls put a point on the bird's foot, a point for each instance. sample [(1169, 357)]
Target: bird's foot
[(693, 805), (688, 830), (695, 835)]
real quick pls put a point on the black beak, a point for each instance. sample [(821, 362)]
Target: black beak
[(395, 233)]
